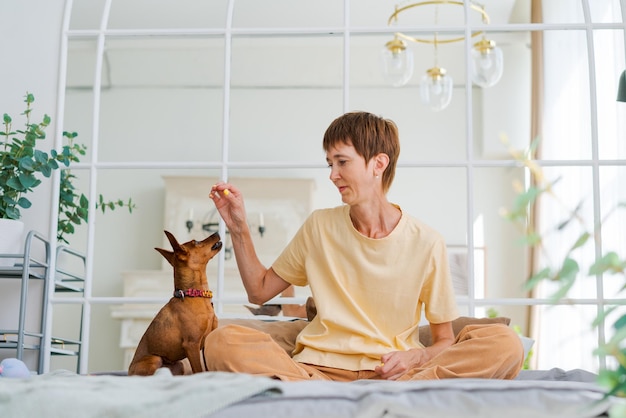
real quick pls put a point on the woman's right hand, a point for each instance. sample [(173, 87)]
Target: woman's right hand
[(228, 201)]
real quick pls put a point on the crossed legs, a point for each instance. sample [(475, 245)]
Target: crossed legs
[(491, 351)]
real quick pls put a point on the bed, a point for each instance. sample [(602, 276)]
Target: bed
[(534, 393)]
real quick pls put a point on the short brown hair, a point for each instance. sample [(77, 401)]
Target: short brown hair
[(370, 135)]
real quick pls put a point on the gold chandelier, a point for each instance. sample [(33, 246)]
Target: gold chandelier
[(436, 85)]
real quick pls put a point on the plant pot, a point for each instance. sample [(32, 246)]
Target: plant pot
[(11, 231)]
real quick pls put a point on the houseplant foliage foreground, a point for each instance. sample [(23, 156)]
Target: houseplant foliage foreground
[(22, 164), (567, 270)]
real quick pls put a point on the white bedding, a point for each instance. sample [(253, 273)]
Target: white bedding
[(68, 395), (553, 393), (433, 399)]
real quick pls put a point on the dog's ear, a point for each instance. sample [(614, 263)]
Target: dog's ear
[(169, 255), (173, 242)]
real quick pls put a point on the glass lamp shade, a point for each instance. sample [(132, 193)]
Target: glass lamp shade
[(397, 63), (621, 90), (487, 63), (436, 89)]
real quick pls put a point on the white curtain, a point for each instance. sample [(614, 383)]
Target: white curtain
[(564, 334)]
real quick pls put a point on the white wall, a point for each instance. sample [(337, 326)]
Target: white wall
[(29, 41)]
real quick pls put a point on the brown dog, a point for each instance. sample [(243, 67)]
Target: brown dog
[(179, 329)]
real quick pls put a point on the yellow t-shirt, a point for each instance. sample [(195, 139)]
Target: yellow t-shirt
[(369, 293)]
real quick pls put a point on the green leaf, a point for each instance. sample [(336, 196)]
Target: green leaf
[(70, 135), (40, 156), (566, 277), (610, 262), (69, 228), (28, 180), (582, 240), (84, 202), (602, 316), (608, 378), (64, 160), (15, 184), (574, 213), (532, 239), (7, 118), (613, 345), (46, 170), (12, 213), (8, 201), (569, 269), (24, 203), (83, 214), (524, 199), (564, 223), (65, 197), (620, 323), (535, 279), (27, 164)]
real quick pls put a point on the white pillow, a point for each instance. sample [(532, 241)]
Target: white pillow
[(527, 343)]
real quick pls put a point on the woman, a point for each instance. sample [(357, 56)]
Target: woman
[(372, 270)]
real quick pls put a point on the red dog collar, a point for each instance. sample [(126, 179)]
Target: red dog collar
[(193, 293)]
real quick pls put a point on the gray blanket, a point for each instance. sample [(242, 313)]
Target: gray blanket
[(450, 398), (550, 393), (66, 394)]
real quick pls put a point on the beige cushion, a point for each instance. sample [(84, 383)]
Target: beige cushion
[(285, 332)]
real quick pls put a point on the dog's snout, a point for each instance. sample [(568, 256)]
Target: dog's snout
[(217, 245)]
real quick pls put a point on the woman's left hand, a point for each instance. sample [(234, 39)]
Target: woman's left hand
[(397, 363)]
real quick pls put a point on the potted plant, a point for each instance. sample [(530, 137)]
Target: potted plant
[(74, 207), (22, 164), (565, 271)]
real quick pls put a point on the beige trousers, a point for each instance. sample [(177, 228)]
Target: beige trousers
[(491, 351)]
